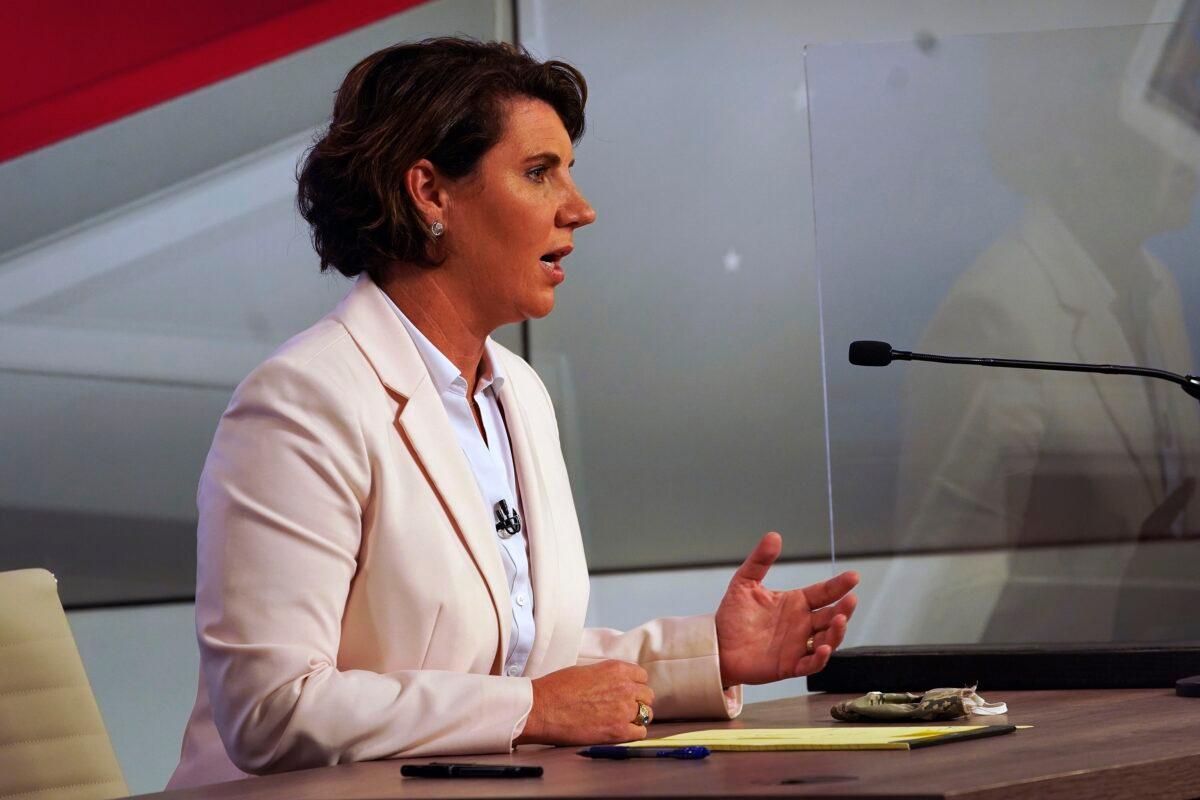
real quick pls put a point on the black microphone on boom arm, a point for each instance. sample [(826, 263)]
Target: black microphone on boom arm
[(880, 354)]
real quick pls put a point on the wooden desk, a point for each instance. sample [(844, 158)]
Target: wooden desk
[(1112, 743)]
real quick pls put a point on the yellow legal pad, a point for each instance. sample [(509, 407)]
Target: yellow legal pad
[(838, 737)]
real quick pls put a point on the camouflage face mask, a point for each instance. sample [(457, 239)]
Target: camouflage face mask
[(932, 705)]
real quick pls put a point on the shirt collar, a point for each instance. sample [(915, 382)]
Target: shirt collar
[(447, 377)]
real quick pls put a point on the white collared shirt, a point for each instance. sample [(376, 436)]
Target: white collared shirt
[(492, 463)]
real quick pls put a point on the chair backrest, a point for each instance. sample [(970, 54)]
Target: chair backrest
[(53, 745)]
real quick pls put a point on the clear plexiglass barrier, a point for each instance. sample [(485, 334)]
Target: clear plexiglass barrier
[(1028, 196)]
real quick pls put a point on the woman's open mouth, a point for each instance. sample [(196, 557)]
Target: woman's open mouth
[(552, 263)]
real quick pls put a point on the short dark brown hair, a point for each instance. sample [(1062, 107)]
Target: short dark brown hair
[(440, 99)]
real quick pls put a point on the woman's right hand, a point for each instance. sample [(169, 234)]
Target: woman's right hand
[(594, 704)]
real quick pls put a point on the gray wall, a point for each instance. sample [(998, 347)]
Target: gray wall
[(685, 351)]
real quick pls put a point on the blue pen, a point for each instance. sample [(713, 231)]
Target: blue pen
[(618, 751)]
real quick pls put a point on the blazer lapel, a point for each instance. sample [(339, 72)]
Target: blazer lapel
[(435, 445), (539, 514), (1097, 334), (425, 427)]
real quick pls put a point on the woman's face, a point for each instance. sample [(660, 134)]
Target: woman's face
[(510, 223)]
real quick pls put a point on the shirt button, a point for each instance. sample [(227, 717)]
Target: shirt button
[(521, 599), (513, 672)]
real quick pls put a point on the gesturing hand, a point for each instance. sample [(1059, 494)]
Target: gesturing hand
[(592, 704), (763, 635)]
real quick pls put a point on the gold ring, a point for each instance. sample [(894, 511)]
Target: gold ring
[(643, 715), (810, 645)]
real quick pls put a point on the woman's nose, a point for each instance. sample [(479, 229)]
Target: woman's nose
[(577, 212)]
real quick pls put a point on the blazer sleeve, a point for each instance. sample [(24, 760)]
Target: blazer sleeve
[(680, 655), (281, 502)]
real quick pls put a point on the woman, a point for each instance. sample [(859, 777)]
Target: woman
[(389, 558)]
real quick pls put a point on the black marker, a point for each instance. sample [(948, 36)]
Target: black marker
[(438, 769)]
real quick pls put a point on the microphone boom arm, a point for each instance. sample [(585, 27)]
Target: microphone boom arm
[(880, 354), (1107, 369)]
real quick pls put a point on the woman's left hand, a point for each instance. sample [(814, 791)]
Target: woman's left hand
[(763, 635)]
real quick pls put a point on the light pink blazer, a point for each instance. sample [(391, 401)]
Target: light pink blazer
[(351, 603)]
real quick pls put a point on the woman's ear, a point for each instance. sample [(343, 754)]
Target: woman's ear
[(426, 187)]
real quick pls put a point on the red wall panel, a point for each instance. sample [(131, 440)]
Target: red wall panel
[(70, 66)]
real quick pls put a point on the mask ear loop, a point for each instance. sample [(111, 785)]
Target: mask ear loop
[(978, 706)]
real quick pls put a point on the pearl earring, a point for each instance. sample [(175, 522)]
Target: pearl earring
[(437, 229)]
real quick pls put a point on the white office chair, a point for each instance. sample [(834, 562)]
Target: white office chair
[(53, 744)]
